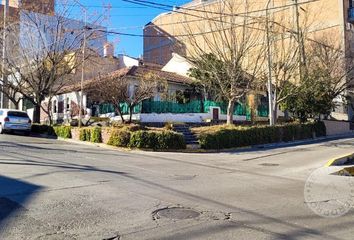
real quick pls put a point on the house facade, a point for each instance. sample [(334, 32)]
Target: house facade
[(174, 99)]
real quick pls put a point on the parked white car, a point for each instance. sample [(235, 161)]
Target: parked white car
[(14, 120)]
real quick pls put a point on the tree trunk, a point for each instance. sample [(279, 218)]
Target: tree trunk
[(131, 109), (16, 104), (252, 105), (37, 113), (119, 112), (230, 112), (275, 113)]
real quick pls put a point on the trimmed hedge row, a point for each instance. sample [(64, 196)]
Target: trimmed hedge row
[(91, 134), (243, 137), (43, 129), (63, 131), (147, 139), (119, 138)]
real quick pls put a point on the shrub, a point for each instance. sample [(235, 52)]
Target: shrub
[(43, 129), (320, 129), (157, 140), (248, 136), (143, 139), (119, 138), (63, 131), (170, 140), (99, 119), (130, 127), (95, 135), (168, 126), (85, 134)]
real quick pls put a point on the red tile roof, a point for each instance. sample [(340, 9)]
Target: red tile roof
[(137, 72)]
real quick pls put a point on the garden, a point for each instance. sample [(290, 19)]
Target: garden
[(122, 135), (213, 137)]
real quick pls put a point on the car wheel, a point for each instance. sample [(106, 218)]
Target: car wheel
[(1, 129)]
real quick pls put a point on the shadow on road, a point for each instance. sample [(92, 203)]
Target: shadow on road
[(13, 196)]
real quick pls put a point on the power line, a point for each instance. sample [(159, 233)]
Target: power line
[(99, 6), (157, 5)]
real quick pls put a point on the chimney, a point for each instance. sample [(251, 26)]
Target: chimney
[(108, 50)]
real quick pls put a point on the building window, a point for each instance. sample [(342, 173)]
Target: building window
[(67, 103)]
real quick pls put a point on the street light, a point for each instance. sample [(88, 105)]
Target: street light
[(3, 53), (270, 87), (83, 63)]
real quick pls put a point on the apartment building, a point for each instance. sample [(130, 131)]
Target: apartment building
[(170, 32), (322, 16), (33, 26), (46, 7)]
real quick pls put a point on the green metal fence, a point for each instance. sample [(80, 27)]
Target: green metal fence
[(109, 108), (195, 106), (240, 109), (171, 107)]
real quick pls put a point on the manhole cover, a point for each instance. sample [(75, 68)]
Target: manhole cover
[(176, 213), (269, 164)]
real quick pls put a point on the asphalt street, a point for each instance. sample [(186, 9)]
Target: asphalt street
[(53, 189)]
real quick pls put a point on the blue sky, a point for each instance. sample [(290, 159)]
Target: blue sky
[(127, 18)]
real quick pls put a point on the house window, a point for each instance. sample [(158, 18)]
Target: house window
[(67, 103)]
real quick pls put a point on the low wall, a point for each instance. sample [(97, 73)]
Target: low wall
[(171, 117), (337, 127)]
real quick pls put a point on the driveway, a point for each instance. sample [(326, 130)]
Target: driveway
[(59, 190)]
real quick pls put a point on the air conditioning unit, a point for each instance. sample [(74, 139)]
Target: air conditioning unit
[(349, 26)]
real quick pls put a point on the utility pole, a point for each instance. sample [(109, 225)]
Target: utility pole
[(83, 63), (83, 70), (4, 77), (269, 53), (300, 40)]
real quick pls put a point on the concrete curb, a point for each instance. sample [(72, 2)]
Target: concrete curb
[(303, 142), (101, 145), (243, 149), (339, 161)]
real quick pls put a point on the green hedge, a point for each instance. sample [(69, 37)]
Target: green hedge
[(84, 134), (125, 137), (63, 131), (93, 135), (119, 138), (248, 136), (157, 140), (43, 129)]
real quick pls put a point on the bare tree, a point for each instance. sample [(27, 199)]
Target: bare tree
[(284, 66), (229, 50), (330, 66), (123, 89), (111, 90), (145, 89), (43, 52)]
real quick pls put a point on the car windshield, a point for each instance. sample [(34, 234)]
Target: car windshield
[(17, 114)]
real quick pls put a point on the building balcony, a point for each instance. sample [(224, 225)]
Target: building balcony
[(351, 15)]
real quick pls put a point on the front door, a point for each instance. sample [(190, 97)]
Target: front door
[(215, 114)]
